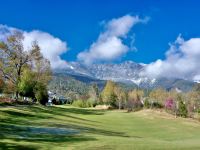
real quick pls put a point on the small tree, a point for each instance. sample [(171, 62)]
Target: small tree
[(134, 99), (121, 96), (113, 100), (94, 94), (159, 95), (41, 93), (182, 109), (130, 105), (107, 92), (147, 103), (27, 84)]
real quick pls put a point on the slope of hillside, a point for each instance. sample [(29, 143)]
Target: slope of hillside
[(61, 84)]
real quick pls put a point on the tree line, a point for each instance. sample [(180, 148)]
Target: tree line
[(173, 101)]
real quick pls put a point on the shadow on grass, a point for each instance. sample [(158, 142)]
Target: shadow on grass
[(14, 146), (18, 114), (61, 110), (97, 131), (54, 109), (19, 126), (28, 114), (52, 134), (41, 136)]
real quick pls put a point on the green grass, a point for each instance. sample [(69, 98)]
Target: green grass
[(65, 127)]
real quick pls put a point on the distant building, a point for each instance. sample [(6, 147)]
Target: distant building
[(57, 100)]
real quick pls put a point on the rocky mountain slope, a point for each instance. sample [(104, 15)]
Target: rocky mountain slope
[(127, 72)]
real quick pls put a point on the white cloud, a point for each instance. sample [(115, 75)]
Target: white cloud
[(109, 44), (5, 31), (182, 61), (51, 47)]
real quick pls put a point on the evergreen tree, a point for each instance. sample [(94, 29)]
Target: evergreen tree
[(27, 84), (182, 110), (113, 100)]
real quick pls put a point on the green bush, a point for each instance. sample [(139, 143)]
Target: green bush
[(147, 103), (83, 103), (155, 104), (78, 103), (90, 103), (41, 93), (182, 110)]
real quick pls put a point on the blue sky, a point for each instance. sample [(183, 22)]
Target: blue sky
[(79, 22)]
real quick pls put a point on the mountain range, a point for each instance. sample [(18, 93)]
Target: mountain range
[(128, 73)]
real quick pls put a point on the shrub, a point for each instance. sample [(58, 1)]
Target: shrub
[(134, 105), (130, 105), (41, 97), (83, 103), (113, 100), (147, 103), (89, 104), (170, 104), (155, 104), (56, 102), (78, 103), (182, 110), (41, 93)]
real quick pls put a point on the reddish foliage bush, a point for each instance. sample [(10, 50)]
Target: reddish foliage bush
[(169, 103)]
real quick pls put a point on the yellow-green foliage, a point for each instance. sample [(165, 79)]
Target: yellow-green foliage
[(160, 95), (108, 91), (83, 103), (135, 94)]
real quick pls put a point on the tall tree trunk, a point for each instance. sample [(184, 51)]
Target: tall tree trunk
[(18, 81), (119, 105)]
